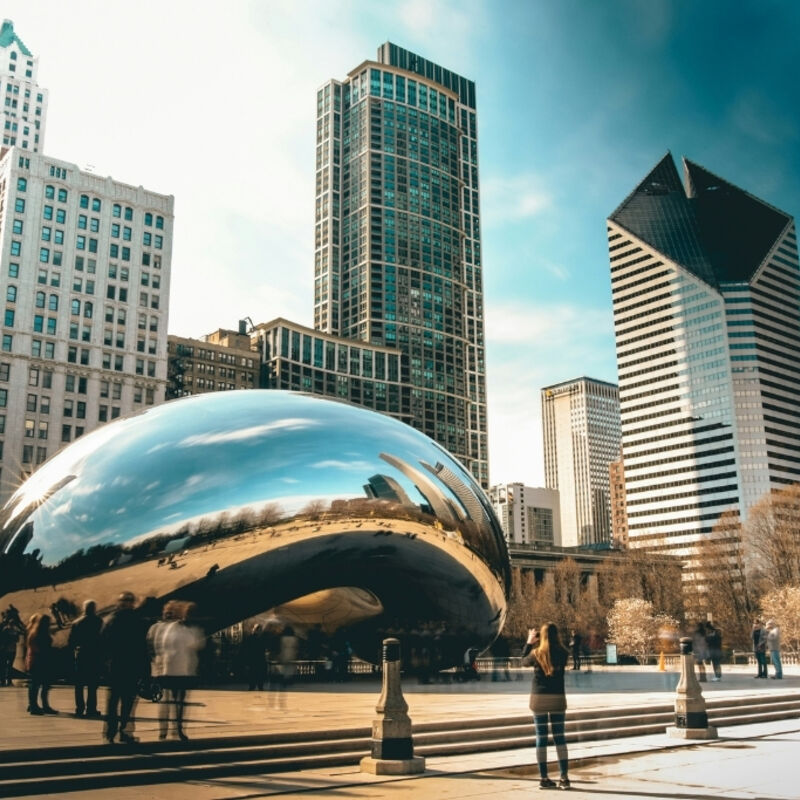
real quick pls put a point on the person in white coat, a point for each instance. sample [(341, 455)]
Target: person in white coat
[(174, 645), (774, 647)]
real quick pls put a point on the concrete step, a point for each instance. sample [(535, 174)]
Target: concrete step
[(79, 768)]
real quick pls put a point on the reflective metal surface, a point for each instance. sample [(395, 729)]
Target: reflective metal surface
[(244, 501)]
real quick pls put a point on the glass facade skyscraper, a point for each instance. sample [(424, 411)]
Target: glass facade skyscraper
[(706, 294), (397, 237)]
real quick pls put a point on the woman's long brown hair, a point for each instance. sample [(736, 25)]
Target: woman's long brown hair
[(549, 643)]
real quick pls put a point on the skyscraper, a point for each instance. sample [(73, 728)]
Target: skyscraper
[(580, 426), (397, 236), (23, 112), (705, 289), (85, 274)]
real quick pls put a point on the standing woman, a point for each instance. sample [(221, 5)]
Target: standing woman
[(548, 700), (38, 663)]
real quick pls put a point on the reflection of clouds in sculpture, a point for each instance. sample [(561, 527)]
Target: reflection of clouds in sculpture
[(253, 433), (332, 463), (223, 474)]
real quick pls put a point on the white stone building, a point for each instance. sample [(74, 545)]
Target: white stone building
[(529, 515), (85, 274)]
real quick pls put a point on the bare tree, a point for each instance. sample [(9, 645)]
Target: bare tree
[(783, 605), (718, 582), (771, 540)]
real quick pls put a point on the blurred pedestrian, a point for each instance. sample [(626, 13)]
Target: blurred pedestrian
[(287, 663), (760, 648), (255, 661), (714, 645), (700, 650), (39, 664), (123, 639), (84, 644), (548, 699), (576, 647), (175, 643), (11, 630), (774, 647)]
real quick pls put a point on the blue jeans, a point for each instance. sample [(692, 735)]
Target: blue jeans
[(557, 721), (775, 655)]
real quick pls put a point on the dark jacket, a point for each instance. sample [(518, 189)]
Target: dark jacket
[(547, 691), (84, 642), (124, 640)]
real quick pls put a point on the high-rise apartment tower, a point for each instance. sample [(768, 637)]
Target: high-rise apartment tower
[(706, 292), (580, 425), (397, 236)]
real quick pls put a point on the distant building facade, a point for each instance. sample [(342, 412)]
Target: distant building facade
[(85, 276), (529, 515), (302, 359), (85, 273), (581, 434), (23, 103), (220, 361), (706, 291), (619, 511)]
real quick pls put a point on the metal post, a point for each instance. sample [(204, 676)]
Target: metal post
[(392, 745), (691, 719)]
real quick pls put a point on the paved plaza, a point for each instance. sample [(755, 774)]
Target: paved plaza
[(747, 761)]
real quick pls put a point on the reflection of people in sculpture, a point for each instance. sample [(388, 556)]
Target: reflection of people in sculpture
[(39, 664), (84, 643), (123, 639), (255, 663), (11, 629), (287, 657), (174, 644)]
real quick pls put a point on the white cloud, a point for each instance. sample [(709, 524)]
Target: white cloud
[(512, 199), (530, 324)]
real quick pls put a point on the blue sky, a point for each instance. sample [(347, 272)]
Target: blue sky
[(577, 100)]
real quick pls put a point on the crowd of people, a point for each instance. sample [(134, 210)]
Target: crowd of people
[(133, 653), (124, 650)]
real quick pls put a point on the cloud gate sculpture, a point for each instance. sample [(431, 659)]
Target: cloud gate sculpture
[(246, 501)]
